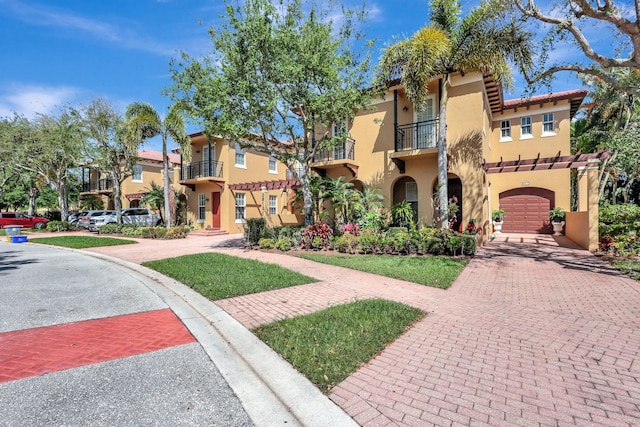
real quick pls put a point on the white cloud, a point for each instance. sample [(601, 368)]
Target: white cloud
[(29, 100), (47, 16)]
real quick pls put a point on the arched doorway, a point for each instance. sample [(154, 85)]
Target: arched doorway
[(527, 210), (406, 188), (454, 189)]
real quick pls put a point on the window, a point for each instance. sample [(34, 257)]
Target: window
[(273, 165), (240, 154), (505, 130), (273, 205), (412, 197), (202, 199), (340, 126), (525, 128), (240, 207), (548, 124), (137, 173)]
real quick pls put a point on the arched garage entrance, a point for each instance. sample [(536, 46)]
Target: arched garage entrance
[(527, 210)]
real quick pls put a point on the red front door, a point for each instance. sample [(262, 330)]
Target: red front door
[(215, 208)]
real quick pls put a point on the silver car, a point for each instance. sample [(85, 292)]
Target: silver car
[(97, 221), (84, 220)]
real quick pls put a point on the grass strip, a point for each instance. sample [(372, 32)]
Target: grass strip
[(81, 242), (219, 276), (629, 267), (329, 345), (436, 271)]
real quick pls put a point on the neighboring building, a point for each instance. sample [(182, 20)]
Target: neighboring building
[(227, 184), (148, 169), (394, 148)]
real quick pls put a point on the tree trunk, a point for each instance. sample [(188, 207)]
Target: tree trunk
[(307, 194), (166, 184), (442, 155), (33, 192), (63, 198)]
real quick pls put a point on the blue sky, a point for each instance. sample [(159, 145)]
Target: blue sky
[(68, 52)]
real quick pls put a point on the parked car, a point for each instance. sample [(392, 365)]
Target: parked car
[(83, 221), (74, 215), (138, 216), (26, 221)]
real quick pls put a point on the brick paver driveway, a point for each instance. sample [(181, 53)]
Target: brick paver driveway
[(529, 334)]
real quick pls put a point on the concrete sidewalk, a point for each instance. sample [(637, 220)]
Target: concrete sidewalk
[(531, 333)]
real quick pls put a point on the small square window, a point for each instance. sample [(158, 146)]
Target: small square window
[(240, 156), (273, 205), (240, 207), (548, 124), (525, 127), (137, 173), (505, 130)]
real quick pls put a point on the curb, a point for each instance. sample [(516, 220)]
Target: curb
[(270, 389)]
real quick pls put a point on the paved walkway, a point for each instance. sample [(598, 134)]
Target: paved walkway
[(531, 333)]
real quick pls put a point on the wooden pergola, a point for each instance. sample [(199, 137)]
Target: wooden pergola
[(543, 163)]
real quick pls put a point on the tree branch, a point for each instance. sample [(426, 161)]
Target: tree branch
[(583, 70)]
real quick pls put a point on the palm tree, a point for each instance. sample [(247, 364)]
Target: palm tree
[(154, 198), (144, 122), (450, 45)]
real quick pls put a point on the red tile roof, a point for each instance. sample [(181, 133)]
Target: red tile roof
[(156, 156), (575, 98)]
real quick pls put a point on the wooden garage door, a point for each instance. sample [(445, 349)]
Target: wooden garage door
[(527, 210)]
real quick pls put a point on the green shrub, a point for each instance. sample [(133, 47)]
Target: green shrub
[(177, 232), (368, 244), (347, 243), (266, 243), (111, 229), (58, 226), (131, 231), (254, 230), (283, 244)]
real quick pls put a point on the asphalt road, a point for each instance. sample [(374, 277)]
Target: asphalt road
[(177, 385)]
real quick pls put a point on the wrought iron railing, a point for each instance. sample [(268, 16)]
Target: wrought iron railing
[(342, 151), (104, 184), (201, 170), (416, 136)]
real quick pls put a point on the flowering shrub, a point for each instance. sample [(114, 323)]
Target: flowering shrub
[(353, 229), (316, 236)]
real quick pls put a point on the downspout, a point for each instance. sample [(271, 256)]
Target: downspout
[(395, 119)]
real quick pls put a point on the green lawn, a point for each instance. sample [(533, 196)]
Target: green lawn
[(219, 276), (434, 271), (330, 345), (629, 267), (81, 242)]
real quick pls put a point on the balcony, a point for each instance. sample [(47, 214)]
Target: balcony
[(101, 185), (341, 155), (192, 173), (415, 140), (416, 136)]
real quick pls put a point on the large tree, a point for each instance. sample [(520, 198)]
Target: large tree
[(10, 136), (615, 44), (279, 71), (51, 147), (144, 122), (448, 45), (108, 149)]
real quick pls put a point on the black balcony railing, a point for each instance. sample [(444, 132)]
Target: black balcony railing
[(416, 136), (342, 151), (201, 170), (104, 184)]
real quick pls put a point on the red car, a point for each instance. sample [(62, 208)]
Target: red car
[(26, 221)]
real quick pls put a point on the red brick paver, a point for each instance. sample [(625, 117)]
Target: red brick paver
[(530, 333), (32, 352)]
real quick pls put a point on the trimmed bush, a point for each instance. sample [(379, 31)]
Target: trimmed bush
[(283, 244), (266, 243), (58, 226), (254, 230)]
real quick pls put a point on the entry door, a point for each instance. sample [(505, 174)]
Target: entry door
[(215, 208), (426, 125)]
